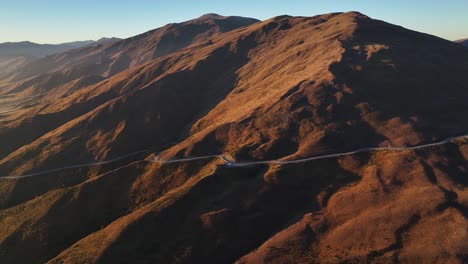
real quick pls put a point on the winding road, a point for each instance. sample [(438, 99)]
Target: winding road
[(229, 162), (232, 163)]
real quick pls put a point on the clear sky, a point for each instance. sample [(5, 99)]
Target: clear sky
[(56, 21)]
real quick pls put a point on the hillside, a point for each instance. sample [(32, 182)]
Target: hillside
[(108, 60), (61, 76), (9, 64), (283, 89)]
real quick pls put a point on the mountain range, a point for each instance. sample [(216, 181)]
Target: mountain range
[(13, 54), (140, 150), (27, 48)]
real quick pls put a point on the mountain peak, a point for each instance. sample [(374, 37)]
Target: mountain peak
[(211, 16)]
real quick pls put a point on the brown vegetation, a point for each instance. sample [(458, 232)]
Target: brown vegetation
[(285, 88)]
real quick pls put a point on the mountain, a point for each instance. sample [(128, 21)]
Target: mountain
[(105, 41), (31, 49), (54, 77), (285, 89), (464, 42), (108, 60), (13, 54)]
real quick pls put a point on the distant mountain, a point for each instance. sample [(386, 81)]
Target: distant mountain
[(31, 49), (464, 42), (108, 59), (16, 54), (105, 41)]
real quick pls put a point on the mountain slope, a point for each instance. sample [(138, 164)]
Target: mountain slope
[(9, 64), (109, 57), (107, 60), (61, 75), (285, 88), (359, 93)]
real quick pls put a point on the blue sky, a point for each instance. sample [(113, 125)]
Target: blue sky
[(54, 21)]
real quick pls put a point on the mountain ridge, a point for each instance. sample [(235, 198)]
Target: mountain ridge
[(28, 48), (13, 55), (88, 64)]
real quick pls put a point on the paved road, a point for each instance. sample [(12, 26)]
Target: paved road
[(231, 163), (74, 166), (158, 160)]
